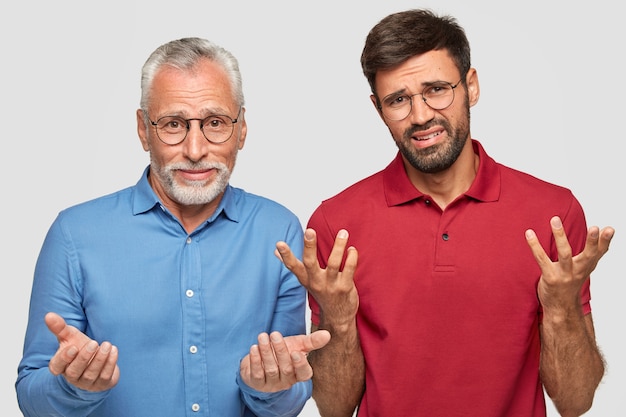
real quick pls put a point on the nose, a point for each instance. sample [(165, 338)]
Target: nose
[(195, 145), (420, 111)]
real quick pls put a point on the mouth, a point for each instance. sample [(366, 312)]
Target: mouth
[(427, 135), (195, 175)]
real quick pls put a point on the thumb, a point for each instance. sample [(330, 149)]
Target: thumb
[(319, 339), (55, 323)]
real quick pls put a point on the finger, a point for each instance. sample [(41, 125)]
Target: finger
[(56, 324), (60, 361), (593, 239), (596, 246), (77, 367), (255, 367), (538, 252), (563, 247), (281, 352), (318, 339), (591, 254), (99, 368), (599, 241), (65, 333), (309, 255), (285, 255), (306, 343), (351, 262), (268, 359), (606, 235), (110, 370), (313, 341), (301, 367), (336, 255)]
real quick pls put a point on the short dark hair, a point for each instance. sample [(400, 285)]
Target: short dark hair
[(403, 35)]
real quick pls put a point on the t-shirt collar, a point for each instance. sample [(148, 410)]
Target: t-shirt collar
[(399, 189)]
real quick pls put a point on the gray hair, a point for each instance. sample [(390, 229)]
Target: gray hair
[(184, 54)]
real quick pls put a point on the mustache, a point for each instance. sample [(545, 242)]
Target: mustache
[(188, 165), (410, 131)]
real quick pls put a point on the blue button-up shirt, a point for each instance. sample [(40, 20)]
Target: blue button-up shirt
[(183, 309)]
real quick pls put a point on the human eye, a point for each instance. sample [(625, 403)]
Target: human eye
[(395, 101), (172, 124), (437, 89), (215, 122)]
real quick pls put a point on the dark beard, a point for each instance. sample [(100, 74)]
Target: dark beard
[(436, 158)]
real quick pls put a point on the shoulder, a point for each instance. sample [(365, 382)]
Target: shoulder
[(365, 188), (358, 204), (261, 205), (99, 206), (518, 179), (522, 183)]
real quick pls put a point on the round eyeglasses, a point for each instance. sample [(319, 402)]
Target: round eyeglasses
[(438, 96), (172, 130)]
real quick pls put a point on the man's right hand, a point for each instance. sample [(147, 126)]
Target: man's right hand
[(82, 362), (332, 288)]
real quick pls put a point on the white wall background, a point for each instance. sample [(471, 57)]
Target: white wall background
[(552, 99)]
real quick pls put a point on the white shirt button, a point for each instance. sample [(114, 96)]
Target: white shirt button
[(195, 407), (189, 293), (193, 349)]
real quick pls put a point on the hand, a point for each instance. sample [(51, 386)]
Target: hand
[(80, 360), (561, 281), (334, 290), (278, 362)]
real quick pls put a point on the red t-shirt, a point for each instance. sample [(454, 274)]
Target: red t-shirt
[(448, 315)]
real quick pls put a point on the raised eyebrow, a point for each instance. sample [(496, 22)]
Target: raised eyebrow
[(214, 115), (404, 91), (426, 84), (213, 111), (179, 116), (431, 83), (204, 114), (397, 93)]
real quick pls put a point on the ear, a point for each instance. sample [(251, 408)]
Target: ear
[(473, 87), (142, 130), (244, 129), (375, 103)]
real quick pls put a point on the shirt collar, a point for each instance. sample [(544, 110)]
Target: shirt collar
[(399, 189), (487, 184), (144, 198)]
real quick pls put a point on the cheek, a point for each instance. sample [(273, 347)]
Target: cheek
[(160, 155), (397, 130), (226, 155), (231, 158)]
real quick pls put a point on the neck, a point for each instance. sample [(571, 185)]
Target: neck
[(446, 186), (190, 216)]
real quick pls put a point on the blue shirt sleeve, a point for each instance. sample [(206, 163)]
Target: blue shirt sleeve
[(287, 403), (48, 394), (287, 319)]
